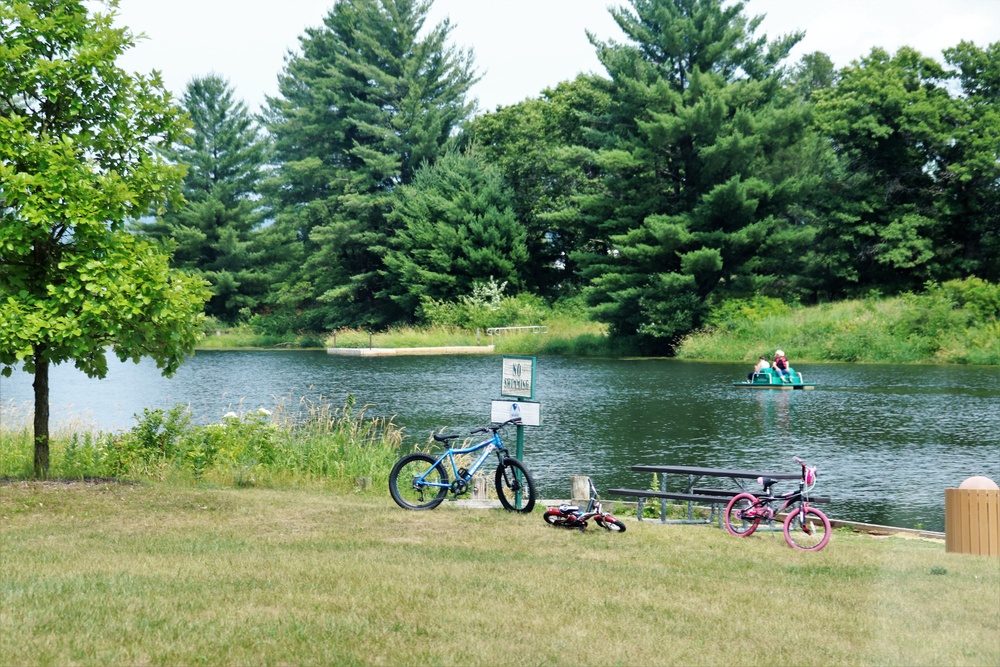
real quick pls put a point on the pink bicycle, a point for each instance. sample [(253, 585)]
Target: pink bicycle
[(805, 527)]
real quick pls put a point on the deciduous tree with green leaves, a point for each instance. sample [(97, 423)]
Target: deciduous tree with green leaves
[(77, 162), (536, 144), (972, 245), (891, 120)]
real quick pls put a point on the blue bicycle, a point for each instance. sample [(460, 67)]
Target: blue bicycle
[(420, 481)]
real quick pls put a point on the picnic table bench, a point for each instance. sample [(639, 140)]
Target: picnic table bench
[(694, 495)]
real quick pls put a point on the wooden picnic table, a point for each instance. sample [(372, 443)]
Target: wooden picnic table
[(694, 473), (690, 493)]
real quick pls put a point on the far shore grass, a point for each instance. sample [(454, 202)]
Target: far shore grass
[(569, 337), (900, 330), (153, 574)]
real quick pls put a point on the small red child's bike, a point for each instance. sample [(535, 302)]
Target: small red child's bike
[(570, 516)]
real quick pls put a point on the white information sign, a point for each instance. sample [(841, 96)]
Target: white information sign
[(518, 377), (528, 411)]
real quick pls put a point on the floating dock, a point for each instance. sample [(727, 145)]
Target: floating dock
[(408, 351)]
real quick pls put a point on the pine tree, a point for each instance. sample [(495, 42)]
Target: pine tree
[(213, 231), (366, 102), (699, 159), (456, 228)]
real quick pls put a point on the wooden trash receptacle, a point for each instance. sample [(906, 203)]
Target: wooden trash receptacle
[(972, 521)]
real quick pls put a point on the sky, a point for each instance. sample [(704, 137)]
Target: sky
[(521, 47)]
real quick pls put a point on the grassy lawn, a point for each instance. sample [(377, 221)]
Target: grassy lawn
[(112, 574)]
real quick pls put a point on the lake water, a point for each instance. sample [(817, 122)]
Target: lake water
[(887, 439)]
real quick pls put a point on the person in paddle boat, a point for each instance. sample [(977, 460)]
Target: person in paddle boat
[(761, 365), (780, 365)]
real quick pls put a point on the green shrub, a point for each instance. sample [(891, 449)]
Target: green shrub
[(486, 307), (980, 298), (239, 445), (210, 325), (737, 313)]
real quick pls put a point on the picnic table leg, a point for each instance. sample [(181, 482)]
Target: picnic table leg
[(663, 501), (691, 481)]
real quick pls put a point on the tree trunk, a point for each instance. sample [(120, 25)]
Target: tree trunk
[(41, 385)]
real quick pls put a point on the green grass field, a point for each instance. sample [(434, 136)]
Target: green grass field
[(154, 574)]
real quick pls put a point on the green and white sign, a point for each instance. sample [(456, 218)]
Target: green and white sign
[(518, 379)]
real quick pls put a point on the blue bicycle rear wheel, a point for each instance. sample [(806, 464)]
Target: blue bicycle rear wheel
[(416, 483)]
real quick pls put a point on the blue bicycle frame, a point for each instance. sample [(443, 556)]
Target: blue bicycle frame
[(489, 445)]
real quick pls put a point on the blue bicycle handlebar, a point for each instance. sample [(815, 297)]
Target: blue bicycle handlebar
[(495, 427)]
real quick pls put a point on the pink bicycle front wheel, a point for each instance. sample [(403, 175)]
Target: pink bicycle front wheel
[(807, 529)]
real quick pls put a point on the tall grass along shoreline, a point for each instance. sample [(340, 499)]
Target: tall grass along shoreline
[(954, 323), (304, 442)]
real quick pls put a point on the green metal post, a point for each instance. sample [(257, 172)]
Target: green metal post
[(519, 453)]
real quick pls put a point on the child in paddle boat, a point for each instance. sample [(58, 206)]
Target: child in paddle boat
[(781, 365), (761, 365)]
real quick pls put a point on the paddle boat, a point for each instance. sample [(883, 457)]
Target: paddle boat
[(769, 378)]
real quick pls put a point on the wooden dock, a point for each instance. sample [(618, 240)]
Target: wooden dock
[(408, 351)]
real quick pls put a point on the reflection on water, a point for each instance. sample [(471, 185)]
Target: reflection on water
[(887, 439)]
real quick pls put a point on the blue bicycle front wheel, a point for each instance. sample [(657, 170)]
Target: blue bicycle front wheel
[(513, 483)]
